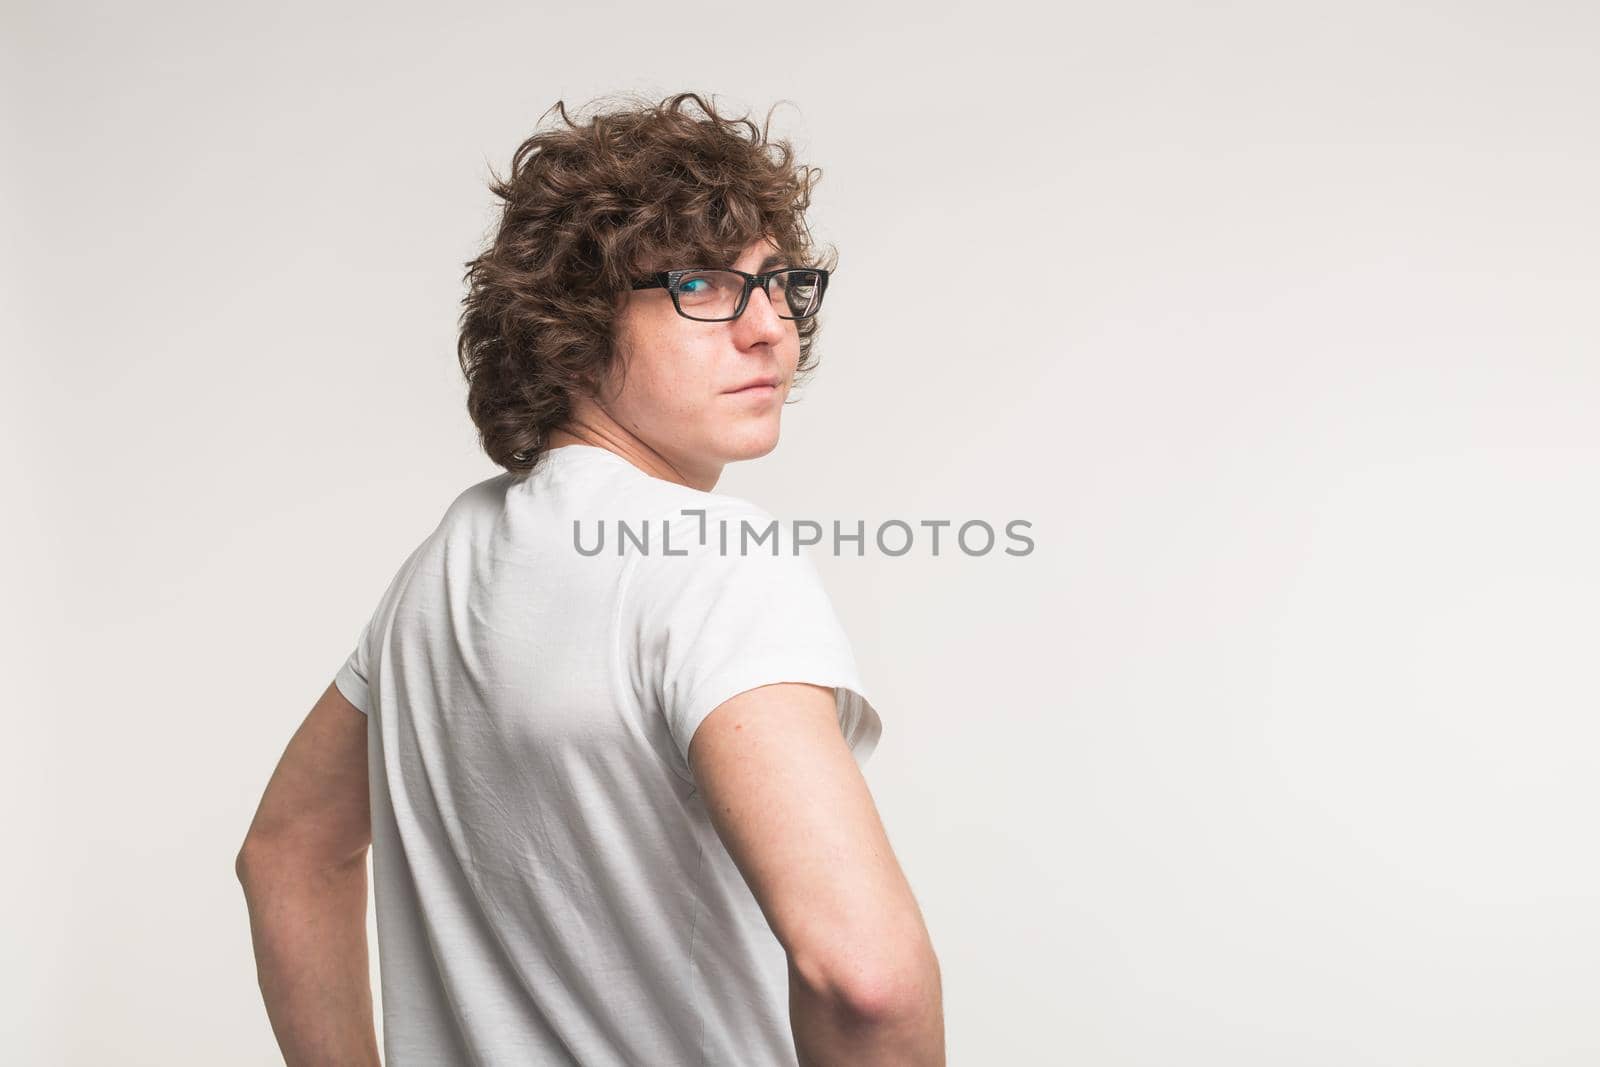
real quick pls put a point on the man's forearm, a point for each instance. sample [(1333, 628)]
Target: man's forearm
[(309, 926)]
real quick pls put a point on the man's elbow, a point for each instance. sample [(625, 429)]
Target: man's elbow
[(264, 862), (881, 983), (904, 990), (251, 863)]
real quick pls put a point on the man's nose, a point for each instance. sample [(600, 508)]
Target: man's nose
[(760, 314)]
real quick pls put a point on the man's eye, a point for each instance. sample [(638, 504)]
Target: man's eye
[(684, 286)]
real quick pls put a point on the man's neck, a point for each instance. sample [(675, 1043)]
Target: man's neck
[(583, 429)]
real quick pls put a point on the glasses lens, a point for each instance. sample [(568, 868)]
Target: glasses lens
[(801, 293), (714, 294), (709, 294)]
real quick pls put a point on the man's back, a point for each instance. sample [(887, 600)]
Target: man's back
[(549, 884)]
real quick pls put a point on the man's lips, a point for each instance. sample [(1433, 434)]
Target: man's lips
[(756, 385)]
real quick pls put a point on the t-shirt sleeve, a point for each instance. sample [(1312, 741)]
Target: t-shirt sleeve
[(711, 624), (354, 677), (351, 679)]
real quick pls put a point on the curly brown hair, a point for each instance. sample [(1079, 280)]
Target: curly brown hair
[(588, 209)]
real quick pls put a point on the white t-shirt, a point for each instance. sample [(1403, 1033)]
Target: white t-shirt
[(549, 887)]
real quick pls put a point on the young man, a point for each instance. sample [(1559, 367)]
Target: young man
[(613, 797)]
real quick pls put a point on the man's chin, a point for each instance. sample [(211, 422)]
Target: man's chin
[(750, 446)]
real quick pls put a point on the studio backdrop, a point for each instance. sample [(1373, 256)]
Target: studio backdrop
[(1258, 729)]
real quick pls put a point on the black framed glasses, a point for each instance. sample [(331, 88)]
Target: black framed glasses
[(719, 294)]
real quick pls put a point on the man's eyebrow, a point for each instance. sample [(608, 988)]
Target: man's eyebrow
[(772, 261)]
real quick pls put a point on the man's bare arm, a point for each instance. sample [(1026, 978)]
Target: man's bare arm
[(303, 866), (788, 800)]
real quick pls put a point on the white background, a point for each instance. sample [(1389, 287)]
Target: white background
[(1278, 322)]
